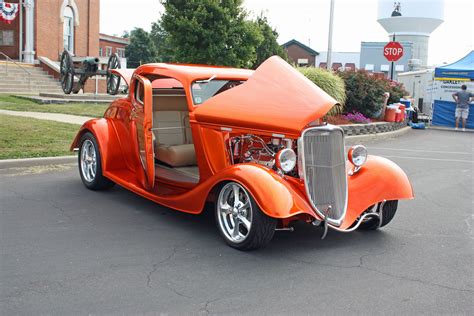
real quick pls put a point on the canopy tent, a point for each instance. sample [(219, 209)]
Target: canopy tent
[(448, 79), (463, 68)]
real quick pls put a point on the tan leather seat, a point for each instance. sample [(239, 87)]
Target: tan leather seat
[(172, 132), (176, 155)]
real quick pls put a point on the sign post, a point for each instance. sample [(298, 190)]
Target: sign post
[(393, 51)]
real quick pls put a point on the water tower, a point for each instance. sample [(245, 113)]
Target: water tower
[(412, 21)]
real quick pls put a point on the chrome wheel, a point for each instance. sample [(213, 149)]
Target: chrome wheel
[(234, 212), (88, 160)]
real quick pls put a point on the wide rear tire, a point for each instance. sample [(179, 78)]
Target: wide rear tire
[(239, 219), (90, 165)]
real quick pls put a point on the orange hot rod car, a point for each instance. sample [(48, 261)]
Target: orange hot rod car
[(252, 142)]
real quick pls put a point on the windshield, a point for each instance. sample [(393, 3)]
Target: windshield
[(204, 90)]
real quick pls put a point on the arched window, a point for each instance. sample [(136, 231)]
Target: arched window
[(68, 29)]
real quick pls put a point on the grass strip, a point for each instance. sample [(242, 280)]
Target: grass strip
[(22, 137), (12, 103)]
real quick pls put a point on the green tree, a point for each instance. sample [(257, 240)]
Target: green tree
[(211, 32), (161, 40), (269, 45), (141, 49)]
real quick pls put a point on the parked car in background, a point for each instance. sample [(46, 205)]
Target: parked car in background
[(253, 142)]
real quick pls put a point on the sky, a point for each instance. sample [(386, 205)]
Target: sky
[(308, 22)]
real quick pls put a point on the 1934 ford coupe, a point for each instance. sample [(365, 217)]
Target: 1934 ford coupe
[(252, 142)]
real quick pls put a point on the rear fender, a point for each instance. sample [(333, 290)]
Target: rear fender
[(379, 179), (109, 146)]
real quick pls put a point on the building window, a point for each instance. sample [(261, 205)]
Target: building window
[(6, 38), (399, 67), (369, 67), (302, 62), (108, 51), (121, 52), (100, 51), (68, 32), (384, 68)]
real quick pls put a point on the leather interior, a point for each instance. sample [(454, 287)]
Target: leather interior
[(177, 155), (172, 133)]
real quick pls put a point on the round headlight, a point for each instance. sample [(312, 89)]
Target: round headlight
[(285, 160), (357, 155)]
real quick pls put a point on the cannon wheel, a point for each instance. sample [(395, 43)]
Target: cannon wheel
[(67, 72), (113, 80)]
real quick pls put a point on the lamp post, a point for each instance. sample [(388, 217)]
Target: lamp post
[(331, 19)]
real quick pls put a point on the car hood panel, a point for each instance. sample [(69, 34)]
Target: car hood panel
[(275, 98)]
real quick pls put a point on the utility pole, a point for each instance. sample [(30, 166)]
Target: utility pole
[(331, 20)]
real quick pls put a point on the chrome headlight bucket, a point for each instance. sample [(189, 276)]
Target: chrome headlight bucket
[(357, 155), (285, 160)]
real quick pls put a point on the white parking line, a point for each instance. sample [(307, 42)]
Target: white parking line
[(424, 151), (432, 159)]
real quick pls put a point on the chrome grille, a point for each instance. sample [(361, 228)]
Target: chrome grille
[(322, 163)]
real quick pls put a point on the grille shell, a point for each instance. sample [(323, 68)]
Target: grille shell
[(322, 165)]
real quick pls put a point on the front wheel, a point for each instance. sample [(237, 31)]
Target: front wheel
[(239, 219), (388, 213), (90, 166)]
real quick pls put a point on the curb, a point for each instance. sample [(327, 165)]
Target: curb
[(29, 162), (352, 140), (43, 161)]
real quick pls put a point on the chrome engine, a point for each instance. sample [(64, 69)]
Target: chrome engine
[(253, 148)]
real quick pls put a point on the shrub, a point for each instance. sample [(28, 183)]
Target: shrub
[(328, 82), (364, 92), (396, 90)]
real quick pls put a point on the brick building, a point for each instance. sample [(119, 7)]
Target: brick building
[(300, 54), (109, 45), (42, 30), (50, 26)]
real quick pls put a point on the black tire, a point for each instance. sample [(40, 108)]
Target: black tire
[(388, 213), (98, 181), (261, 230)]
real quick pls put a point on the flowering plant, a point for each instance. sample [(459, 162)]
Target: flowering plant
[(356, 117)]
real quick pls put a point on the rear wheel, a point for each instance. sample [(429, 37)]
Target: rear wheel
[(90, 166), (388, 212), (239, 219)]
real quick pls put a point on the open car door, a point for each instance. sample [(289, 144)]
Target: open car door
[(142, 114)]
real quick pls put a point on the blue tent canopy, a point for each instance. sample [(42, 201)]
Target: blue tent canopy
[(463, 68), (455, 74)]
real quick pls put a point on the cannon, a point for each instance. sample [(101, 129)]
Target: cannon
[(84, 69)]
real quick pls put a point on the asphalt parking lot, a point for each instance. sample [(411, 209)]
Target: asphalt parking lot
[(67, 250)]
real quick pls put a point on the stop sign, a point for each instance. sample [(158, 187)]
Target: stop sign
[(393, 51)]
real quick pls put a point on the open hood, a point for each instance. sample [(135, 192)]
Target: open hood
[(275, 98)]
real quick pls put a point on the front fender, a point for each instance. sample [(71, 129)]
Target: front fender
[(275, 196), (109, 145), (379, 179)]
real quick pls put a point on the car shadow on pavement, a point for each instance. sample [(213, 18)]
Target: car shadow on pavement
[(202, 227)]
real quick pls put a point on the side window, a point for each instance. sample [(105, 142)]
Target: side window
[(139, 92)]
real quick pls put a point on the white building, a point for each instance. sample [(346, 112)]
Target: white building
[(345, 59)]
